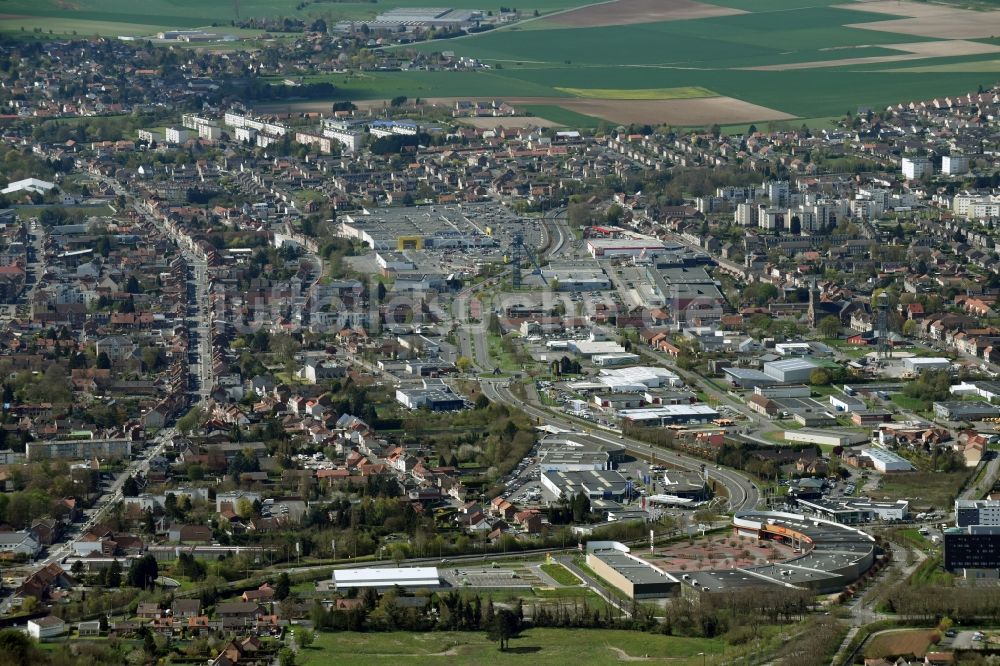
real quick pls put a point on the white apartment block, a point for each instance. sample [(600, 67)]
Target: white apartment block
[(976, 206), (210, 132), (914, 168), (748, 214), (177, 135), (777, 192), (324, 143), (954, 165), (350, 139)]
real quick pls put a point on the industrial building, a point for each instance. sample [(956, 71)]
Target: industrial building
[(670, 415), (622, 247), (434, 395), (833, 555), (783, 391), (748, 378), (824, 437), (883, 460), (576, 276), (845, 403), (989, 391), (408, 18), (977, 512), (590, 347), (971, 410), (917, 364), (638, 378), (560, 453), (685, 485), (856, 511), (790, 371), (438, 227), (972, 548), (636, 578), (595, 484), (409, 578)]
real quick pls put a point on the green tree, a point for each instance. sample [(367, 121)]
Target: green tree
[(18, 649), (244, 507), (193, 419), (114, 577), (504, 626), (819, 377), (143, 572), (829, 326), (304, 636), (282, 587)]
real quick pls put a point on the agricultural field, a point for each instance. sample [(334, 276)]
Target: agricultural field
[(126, 17), (728, 61), (678, 62), (578, 647)]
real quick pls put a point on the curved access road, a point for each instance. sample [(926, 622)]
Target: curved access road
[(743, 493)]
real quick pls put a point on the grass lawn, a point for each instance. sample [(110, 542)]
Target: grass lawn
[(536, 646), (561, 574), (914, 537), (898, 643), (911, 404), (776, 436), (924, 489)]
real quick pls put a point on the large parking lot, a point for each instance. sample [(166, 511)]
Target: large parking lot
[(464, 575)]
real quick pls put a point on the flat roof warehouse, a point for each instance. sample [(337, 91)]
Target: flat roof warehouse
[(378, 578)]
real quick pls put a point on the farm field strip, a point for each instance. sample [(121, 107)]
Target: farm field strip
[(686, 92)]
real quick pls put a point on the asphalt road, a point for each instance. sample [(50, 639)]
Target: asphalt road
[(743, 493)]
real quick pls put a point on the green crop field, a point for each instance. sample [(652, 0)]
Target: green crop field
[(744, 61), (561, 116), (687, 92), (576, 647), (127, 17)]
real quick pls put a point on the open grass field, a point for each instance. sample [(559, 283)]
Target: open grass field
[(576, 647), (925, 490), (899, 643), (561, 574), (910, 403)]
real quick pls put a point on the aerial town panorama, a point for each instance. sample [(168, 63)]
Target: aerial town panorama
[(350, 333)]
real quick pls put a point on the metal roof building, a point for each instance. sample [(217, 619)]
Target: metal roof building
[(790, 371), (382, 579)]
